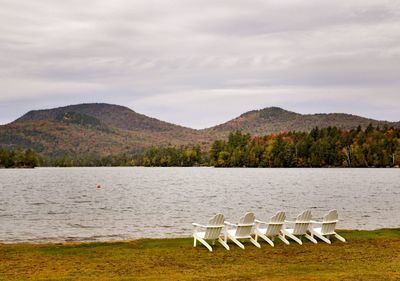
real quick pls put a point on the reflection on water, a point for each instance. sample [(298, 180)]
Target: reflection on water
[(60, 204)]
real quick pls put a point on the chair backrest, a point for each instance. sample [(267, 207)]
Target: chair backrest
[(245, 225), (329, 222), (214, 227), (275, 224), (302, 223)]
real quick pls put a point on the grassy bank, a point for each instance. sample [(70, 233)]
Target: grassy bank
[(368, 255)]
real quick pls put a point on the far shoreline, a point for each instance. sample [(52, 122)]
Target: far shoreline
[(333, 167), (352, 232)]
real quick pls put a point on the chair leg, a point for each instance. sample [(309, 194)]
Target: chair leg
[(223, 243), (255, 242), (340, 237), (236, 241), (293, 237), (284, 240), (325, 239), (266, 239), (320, 236), (205, 243), (194, 242), (312, 239)]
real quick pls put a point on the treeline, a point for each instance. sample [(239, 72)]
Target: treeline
[(92, 161), (18, 158), (184, 156), (328, 147)]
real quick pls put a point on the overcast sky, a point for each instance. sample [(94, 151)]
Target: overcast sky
[(200, 63)]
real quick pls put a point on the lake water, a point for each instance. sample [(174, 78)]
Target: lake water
[(62, 204)]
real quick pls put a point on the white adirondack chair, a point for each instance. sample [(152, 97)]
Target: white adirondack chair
[(327, 228), (212, 232), (301, 226), (269, 230), (242, 230)]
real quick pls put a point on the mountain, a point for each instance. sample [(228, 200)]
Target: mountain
[(105, 129), (274, 119), (98, 129), (112, 115)]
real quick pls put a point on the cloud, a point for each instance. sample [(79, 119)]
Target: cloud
[(300, 99), (199, 63)]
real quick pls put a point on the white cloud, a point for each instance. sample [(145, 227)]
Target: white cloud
[(199, 109), (180, 60), (20, 90)]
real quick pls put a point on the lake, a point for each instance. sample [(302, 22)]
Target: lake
[(64, 204)]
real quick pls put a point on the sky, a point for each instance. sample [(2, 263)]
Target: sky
[(199, 63)]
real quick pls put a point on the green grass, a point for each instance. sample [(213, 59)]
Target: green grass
[(368, 255)]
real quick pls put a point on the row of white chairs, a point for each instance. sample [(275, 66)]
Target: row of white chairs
[(249, 227)]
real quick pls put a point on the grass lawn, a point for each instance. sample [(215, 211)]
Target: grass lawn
[(368, 255)]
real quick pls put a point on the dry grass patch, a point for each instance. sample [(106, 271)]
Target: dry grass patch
[(369, 255)]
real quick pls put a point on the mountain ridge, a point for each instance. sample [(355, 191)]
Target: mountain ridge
[(96, 128), (102, 112), (275, 119), (272, 113), (108, 129)]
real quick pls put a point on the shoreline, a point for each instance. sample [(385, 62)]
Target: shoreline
[(327, 167), (134, 240)]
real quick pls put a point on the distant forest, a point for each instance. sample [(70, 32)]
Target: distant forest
[(18, 158), (327, 147)]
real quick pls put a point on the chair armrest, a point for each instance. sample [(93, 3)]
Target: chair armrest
[(260, 222), (229, 223), (321, 222), (290, 221), (198, 225)]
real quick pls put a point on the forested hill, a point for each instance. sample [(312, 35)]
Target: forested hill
[(112, 115), (274, 120), (92, 129), (100, 130)]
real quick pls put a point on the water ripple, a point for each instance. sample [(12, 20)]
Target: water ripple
[(63, 204)]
